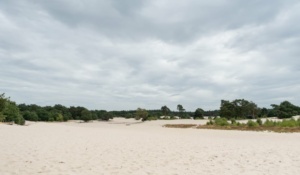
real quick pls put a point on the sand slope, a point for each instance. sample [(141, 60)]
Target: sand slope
[(126, 147)]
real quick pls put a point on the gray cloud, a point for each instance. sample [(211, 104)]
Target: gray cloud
[(129, 54)]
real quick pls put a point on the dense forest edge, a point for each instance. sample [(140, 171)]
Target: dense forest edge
[(229, 110)]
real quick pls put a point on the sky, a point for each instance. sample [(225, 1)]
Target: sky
[(121, 55)]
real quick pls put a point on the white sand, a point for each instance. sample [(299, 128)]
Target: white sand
[(126, 147)]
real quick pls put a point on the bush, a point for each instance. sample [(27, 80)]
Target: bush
[(51, 119), (31, 116), (269, 123), (106, 116), (59, 117), (210, 122), (141, 114), (66, 117), (2, 117), (233, 121), (19, 120), (22, 121), (259, 122), (221, 122), (288, 123), (86, 115), (129, 115), (198, 114), (251, 123)]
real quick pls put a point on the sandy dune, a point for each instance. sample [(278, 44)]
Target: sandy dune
[(127, 147)]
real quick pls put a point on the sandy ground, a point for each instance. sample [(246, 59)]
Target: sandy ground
[(127, 147)]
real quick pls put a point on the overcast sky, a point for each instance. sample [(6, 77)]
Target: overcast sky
[(125, 54)]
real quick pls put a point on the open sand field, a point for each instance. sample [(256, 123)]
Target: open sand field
[(123, 147)]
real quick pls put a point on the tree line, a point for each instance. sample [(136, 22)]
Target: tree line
[(243, 109), (11, 112), (236, 109)]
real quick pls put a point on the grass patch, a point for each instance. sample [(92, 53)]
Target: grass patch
[(180, 125)]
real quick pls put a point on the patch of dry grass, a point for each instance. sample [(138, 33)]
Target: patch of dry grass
[(180, 125)]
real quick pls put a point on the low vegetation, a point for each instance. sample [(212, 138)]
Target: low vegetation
[(286, 125), (9, 111), (180, 125)]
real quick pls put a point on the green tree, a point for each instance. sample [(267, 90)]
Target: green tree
[(264, 112), (106, 116), (286, 109), (2, 117), (253, 110), (30, 115), (43, 114), (238, 108), (128, 115), (180, 109), (198, 113), (3, 102), (76, 112), (86, 115), (165, 110), (227, 109), (64, 111), (272, 113), (141, 114), (58, 117), (13, 114)]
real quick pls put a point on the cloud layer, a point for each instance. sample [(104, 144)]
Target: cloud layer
[(126, 54)]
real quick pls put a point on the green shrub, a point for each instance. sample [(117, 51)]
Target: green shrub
[(59, 117), (2, 117), (141, 114), (233, 121), (86, 115), (251, 123), (22, 121), (106, 116), (288, 123), (66, 118), (31, 116), (51, 119), (284, 123), (259, 122), (210, 122), (221, 122), (269, 123), (19, 120), (129, 115)]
